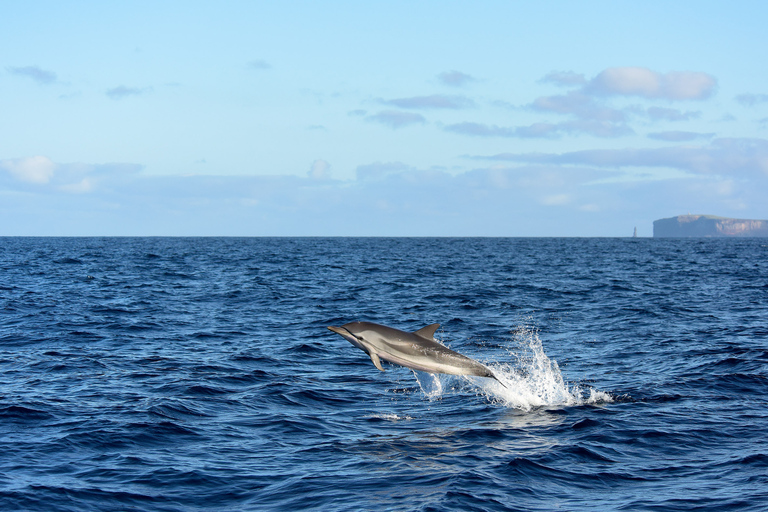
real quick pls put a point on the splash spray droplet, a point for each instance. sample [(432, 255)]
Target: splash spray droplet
[(535, 380), (531, 378)]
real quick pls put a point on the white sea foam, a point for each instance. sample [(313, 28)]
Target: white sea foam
[(531, 378), (389, 416)]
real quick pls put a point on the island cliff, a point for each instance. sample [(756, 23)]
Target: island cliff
[(708, 226)]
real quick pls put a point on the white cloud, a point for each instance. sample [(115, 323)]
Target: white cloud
[(35, 169), (627, 81), (687, 85), (587, 104), (638, 81), (642, 82), (390, 198), (320, 170), (39, 173)]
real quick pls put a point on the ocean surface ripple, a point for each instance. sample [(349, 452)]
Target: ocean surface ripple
[(191, 374)]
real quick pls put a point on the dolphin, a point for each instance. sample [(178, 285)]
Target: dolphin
[(417, 350)]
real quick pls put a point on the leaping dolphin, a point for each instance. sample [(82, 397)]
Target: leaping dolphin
[(417, 350)]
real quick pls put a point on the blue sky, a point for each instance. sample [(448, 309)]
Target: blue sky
[(379, 118)]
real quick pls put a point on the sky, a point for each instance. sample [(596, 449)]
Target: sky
[(379, 118)]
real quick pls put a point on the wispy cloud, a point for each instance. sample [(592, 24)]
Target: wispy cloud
[(482, 130), (396, 118), (671, 114), (679, 136), (724, 156), (37, 74), (596, 128), (455, 78), (259, 64), (435, 101), (565, 78), (750, 100), (538, 131), (379, 170), (120, 92), (579, 105)]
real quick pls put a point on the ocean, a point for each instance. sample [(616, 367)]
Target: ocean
[(198, 374)]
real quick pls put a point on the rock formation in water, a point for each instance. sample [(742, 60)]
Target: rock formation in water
[(708, 226)]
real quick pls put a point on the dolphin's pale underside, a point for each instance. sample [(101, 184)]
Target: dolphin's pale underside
[(417, 350)]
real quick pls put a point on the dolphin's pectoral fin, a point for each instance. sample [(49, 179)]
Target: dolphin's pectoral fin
[(427, 332), (375, 359)]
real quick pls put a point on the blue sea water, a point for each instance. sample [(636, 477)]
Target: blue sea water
[(197, 374)]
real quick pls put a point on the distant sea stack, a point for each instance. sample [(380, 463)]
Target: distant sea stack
[(708, 226)]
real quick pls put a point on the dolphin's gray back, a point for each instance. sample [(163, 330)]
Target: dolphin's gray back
[(414, 350)]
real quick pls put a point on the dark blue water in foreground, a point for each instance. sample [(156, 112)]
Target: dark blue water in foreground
[(184, 374)]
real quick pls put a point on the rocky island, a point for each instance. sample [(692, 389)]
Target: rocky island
[(708, 226)]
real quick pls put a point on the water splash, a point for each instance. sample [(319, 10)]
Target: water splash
[(431, 384), (388, 417), (531, 378)]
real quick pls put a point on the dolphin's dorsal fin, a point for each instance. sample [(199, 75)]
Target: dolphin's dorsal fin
[(427, 332), (375, 359)]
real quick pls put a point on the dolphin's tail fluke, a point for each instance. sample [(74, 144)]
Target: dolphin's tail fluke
[(493, 376), (480, 370)]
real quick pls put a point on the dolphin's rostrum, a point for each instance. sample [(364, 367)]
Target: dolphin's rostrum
[(417, 350)]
